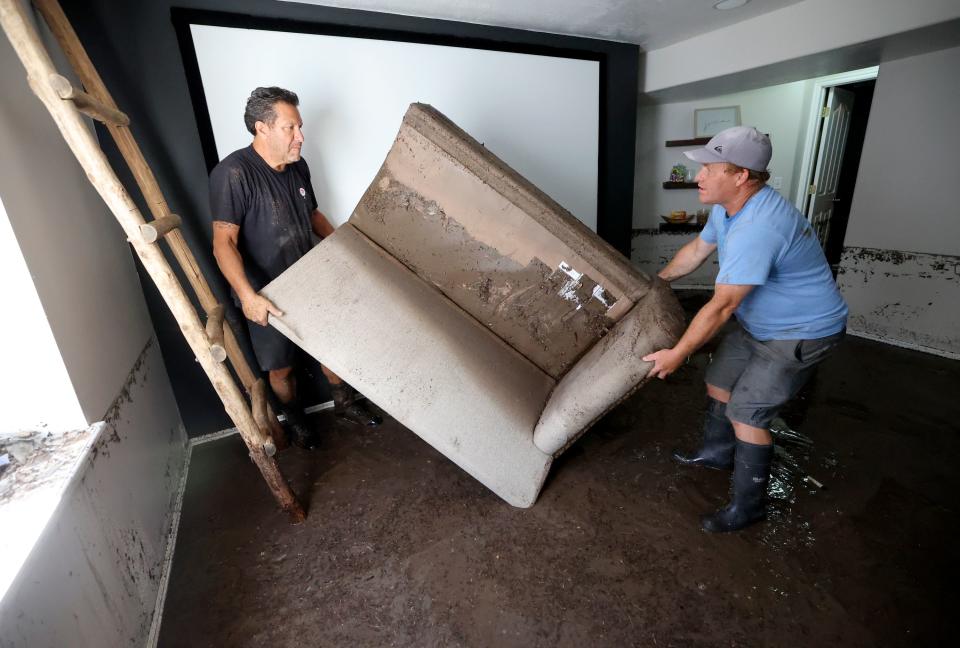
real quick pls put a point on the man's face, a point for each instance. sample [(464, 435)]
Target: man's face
[(716, 185), (284, 137)]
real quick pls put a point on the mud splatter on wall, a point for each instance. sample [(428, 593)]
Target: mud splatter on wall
[(905, 298), (652, 249), (93, 576)]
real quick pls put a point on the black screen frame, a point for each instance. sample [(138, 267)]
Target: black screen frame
[(618, 63)]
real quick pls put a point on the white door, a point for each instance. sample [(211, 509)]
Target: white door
[(833, 141)]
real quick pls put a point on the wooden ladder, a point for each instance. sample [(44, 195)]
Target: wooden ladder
[(212, 343)]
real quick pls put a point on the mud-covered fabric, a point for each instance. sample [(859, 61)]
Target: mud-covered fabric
[(271, 207), (762, 375)]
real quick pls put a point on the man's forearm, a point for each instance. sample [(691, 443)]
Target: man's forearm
[(231, 265), (704, 326), (683, 263), (321, 226)]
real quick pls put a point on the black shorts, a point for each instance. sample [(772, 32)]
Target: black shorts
[(762, 375), (272, 348)]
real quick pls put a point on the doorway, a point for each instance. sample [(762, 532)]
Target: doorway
[(832, 157)]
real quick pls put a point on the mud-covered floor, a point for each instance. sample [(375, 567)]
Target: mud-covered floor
[(403, 548)]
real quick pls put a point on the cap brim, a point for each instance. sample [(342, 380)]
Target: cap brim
[(703, 156)]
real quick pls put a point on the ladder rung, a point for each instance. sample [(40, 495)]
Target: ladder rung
[(87, 104), (215, 333), (159, 227)]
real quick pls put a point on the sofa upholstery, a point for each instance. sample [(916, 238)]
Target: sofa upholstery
[(474, 309)]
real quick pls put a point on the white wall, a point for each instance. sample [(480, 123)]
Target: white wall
[(539, 114), (35, 390), (906, 196), (75, 251), (784, 44), (900, 270), (92, 578), (780, 111)]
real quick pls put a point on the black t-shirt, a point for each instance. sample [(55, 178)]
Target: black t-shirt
[(271, 207)]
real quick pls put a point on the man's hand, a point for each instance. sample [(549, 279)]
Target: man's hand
[(257, 308), (665, 362)]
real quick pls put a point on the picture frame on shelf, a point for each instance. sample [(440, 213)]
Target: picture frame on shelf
[(707, 122)]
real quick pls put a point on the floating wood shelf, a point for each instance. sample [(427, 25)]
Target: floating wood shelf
[(680, 185), (697, 141)]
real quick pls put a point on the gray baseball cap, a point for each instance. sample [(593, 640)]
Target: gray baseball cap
[(744, 146)]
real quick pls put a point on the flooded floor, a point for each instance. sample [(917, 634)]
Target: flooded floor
[(402, 548)]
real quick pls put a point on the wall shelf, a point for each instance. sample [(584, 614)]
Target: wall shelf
[(682, 228), (679, 185), (697, 141)]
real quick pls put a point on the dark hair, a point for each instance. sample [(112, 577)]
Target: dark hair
[(757, 176), (260, 106)]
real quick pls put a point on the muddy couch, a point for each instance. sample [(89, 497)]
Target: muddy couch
[(474, 309)]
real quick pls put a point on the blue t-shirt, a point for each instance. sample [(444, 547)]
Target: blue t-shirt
[(770, 245)]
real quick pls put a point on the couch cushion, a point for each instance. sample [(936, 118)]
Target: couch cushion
[(420, 358), (523, 266)]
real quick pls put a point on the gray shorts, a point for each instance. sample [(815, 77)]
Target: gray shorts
[(763, 375)]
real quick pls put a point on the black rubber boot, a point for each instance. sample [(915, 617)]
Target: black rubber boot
[(298, 431), (349, 405), (751, 473), (718, 440)]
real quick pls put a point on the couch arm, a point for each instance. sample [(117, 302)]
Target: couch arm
[(610, 371)]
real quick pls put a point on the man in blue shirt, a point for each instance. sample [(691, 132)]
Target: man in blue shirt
[(775, 278)]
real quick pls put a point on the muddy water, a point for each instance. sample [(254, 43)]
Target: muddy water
[(402, 548)]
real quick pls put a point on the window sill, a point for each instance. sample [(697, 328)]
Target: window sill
[(43, 467)]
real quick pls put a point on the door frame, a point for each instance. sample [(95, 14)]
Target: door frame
[(821, 86)]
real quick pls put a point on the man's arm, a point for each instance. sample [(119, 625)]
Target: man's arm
[(713, 315), (321, 226), (690, 257), (255, 307)]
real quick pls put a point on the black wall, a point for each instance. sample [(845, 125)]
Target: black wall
[(135, 47)]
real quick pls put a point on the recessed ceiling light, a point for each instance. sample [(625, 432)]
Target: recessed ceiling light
[(723, 5)]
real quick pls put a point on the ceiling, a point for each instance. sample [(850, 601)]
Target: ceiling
[(651, 24)]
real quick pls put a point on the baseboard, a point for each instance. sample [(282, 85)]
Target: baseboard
[(905, 345), (213, 436), (154, 635), (912, 346)]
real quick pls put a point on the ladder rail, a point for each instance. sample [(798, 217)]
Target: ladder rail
[(39, 67), (93, 84)]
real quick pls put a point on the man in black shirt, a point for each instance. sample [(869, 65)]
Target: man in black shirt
[(265, 218)]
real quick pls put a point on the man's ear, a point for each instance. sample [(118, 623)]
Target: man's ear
[(260, 127), (742, 177)]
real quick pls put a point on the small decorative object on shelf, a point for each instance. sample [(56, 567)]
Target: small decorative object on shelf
[(678, 173)]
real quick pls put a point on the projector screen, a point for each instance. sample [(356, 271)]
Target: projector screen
[(540, 114)]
